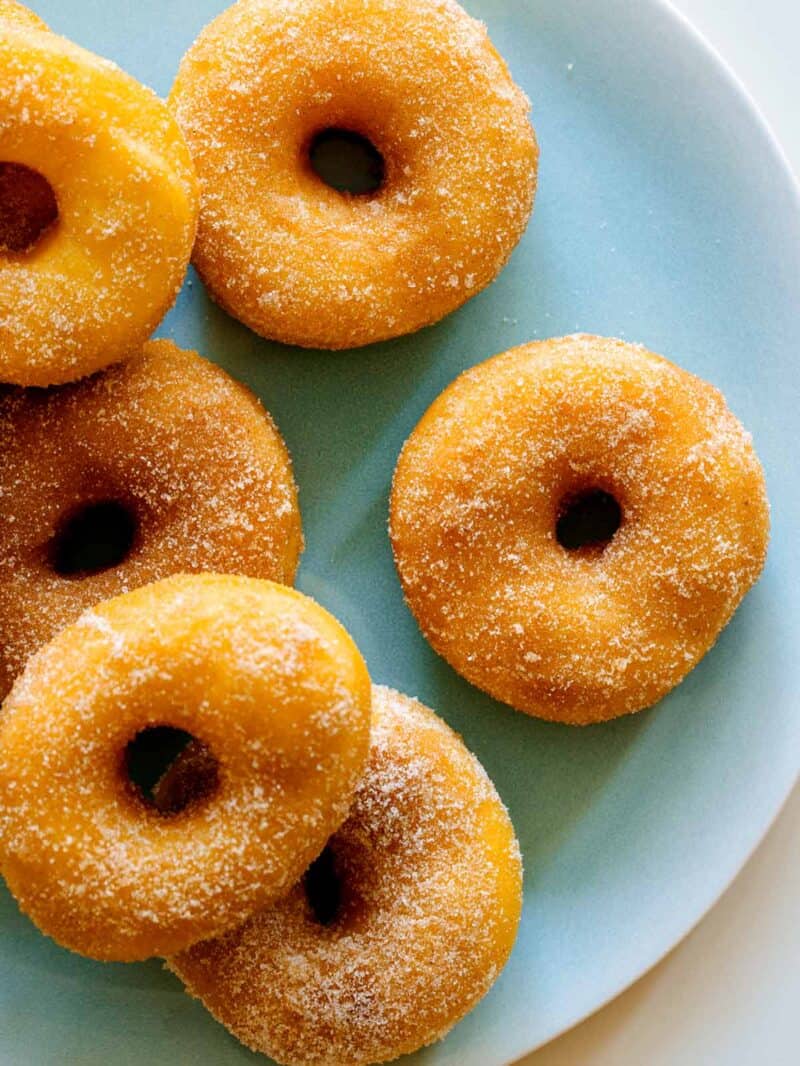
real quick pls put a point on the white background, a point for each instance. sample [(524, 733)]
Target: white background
[(729, 995)]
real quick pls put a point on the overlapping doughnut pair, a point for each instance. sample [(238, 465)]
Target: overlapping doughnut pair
[(402, 922)]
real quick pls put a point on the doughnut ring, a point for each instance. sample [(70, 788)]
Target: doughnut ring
[(158, 465), (267, 680), (419, 86), (397, 930), (490, 504), (98, 208)]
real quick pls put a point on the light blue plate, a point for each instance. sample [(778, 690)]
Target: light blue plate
[(666, 215)]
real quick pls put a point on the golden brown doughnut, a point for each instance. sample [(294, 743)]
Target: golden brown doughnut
[(98, 207), (501, 473), (399, 928), (165, 461), (265, 678), (295, 259)]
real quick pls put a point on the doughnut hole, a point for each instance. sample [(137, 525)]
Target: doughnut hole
[(28, 208), (322, 884), (169, 769), (346, 161), (587, 520), (93, 537)]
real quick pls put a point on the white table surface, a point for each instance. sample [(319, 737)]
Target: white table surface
[(729, 995)]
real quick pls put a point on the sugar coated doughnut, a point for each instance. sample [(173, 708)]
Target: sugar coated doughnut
[(19, 16), (98, 208), (574, 522), (417, 85), (159, 465), (266, 679), (397, 930)]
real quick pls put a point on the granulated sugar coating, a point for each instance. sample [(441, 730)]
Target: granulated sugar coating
[(265, 678), (429, 873), (583, 635), (187, 453), (18, 15), (295, 259), (95, 285)]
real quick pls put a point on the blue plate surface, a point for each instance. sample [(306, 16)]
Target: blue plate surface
[(665, 215)]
